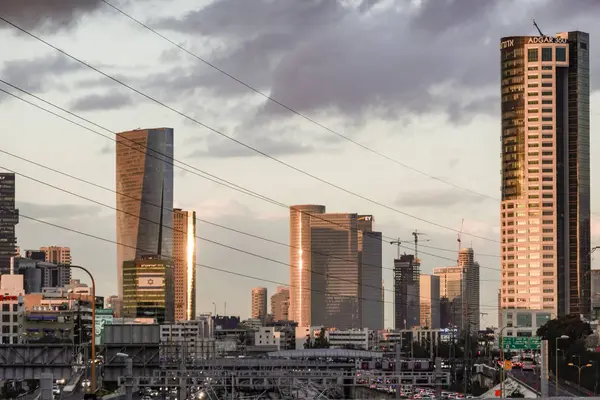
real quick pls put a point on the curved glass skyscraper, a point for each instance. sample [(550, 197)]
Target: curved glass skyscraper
[(144, 185)]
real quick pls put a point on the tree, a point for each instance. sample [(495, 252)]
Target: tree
[(308, 344), (321, 341)]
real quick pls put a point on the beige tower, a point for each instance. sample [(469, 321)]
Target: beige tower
[(280, 304), (184, 264), (545, 183), (57, 254), (300, 261), (259, 303)]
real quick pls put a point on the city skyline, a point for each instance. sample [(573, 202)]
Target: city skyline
[(451, 138)]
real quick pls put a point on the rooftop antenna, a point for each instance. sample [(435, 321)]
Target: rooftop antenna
[(537, 27)]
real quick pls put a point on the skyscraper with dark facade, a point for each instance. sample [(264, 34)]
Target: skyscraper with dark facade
[(407, 294), (144, 169), (9, 218), (545, 210)]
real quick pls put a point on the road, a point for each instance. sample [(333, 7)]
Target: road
[(532, 379)]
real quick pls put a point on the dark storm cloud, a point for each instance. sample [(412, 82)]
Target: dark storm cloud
[(38, 73), (46, 15), (96, 102), (325, 56)]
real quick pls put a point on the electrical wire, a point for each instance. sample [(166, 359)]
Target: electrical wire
[(239, 142), (292, 110), (171, 160), (197, 219), (92, 236)]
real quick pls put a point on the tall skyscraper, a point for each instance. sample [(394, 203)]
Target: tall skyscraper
[(545, 211), (470, 267), (407, 293), (145, 193), (57, 254), (9, 218), (280, 304), (184, 263), (300, 261), (259, 303), (370, 272), (429, 291), (451, 289)]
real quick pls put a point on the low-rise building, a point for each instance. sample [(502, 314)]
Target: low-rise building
[(267, 336), (194, 338), (364, 339), (11, 298), (524, 322)]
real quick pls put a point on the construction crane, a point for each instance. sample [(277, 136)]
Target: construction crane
[(416, 235), (398, 243), (537, 27)]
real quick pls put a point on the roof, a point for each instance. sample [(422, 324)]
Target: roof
[(333, 353)]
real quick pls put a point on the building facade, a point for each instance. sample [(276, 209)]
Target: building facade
[(280, 304), (370, 271), (429, 301), (595, 283), (300, 261), (184, 263), (148, 290), (144, 186), (57, 254), (407, 296), (259, 303), (545, 210), (524, 322), (11, 300), (471, 282), (9, 218)]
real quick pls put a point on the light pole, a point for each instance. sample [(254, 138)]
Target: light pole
[(556, 357), (93, 337), (502, 373), (579, 368), (128, 375)]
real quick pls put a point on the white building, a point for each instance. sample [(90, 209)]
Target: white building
[(267, 336), (194, 337), (364, 339), (523, 322), (11, 294)]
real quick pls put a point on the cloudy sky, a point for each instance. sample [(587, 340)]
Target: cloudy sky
[(415, 81)]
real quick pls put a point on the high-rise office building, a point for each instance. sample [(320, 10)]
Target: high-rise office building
[(57, 254), (145, 195), (184, 264), (300, 261), (407, 293), (259, 303), (370, 270), (466, 261), (429, 290), (451, 289), (545, 210), (280, 304), (148, 290), (9, 218)]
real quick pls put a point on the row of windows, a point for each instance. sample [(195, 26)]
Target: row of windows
[(522, 205), (533, 54)]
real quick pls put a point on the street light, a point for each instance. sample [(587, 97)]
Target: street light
[(502, 373), (556, 351), (579, 368), (128, 374), (93, 338)]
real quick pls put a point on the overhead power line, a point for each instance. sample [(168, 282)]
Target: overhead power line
[(92, 236), (294, 111), (40, 165), (161, 156), (239, 142)]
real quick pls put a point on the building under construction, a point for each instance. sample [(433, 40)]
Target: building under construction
[(407, 294)]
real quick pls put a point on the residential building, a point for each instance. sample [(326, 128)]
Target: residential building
[(267, 336), (11, 296), (429, 301), (9, 218), (545, 179), (57, 254), (259, 303), (184, 263), (301, 254), (148, 289), (471, 282), (144, 187), (280, 304), (196, 336), (407, 292)]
